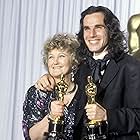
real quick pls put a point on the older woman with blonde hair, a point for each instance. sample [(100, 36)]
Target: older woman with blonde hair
[(59, 56)]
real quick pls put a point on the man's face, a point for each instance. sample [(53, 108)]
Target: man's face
[(95, 32)]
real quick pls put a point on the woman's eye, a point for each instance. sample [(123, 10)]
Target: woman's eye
[(50, 57), (62, 55)]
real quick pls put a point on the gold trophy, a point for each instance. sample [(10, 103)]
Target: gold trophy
[(56, 125), (97, 129)]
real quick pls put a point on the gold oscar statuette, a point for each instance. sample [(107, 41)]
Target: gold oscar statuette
[(61, 89), (91, 91), (56, 125), (97, 129)]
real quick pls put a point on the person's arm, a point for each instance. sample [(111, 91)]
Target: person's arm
[(37, 131), (36, 105), (35, 122), (46, 82)]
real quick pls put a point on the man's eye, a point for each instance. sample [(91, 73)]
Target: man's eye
[(100, 27), (86, 28)]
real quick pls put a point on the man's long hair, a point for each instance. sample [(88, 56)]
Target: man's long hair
[(116, 38)]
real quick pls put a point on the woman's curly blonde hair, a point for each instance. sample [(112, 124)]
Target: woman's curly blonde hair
[(63, 41)]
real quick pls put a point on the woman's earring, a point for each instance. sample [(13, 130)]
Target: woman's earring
[(72, 76), (73, 72)]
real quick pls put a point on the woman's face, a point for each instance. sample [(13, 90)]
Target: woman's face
[(59, 62)]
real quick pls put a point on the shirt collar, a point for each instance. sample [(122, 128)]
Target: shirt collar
[(100, 56)]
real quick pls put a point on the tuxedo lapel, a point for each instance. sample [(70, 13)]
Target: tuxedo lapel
[(109, 74)]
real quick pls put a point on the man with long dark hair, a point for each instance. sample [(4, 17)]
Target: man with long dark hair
[(115, 73)]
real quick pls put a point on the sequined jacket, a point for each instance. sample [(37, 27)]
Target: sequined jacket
[(36, 107)]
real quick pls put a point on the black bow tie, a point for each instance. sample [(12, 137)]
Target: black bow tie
[(97, 66)]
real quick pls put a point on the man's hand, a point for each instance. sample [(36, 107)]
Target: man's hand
[(95, 112), (46, 82)]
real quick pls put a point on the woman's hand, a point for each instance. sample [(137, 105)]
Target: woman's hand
[(56, 109)]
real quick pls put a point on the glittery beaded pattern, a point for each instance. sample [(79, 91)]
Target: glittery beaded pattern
[(36, 107)]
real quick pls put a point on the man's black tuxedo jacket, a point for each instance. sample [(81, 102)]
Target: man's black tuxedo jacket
[(119, 93)]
